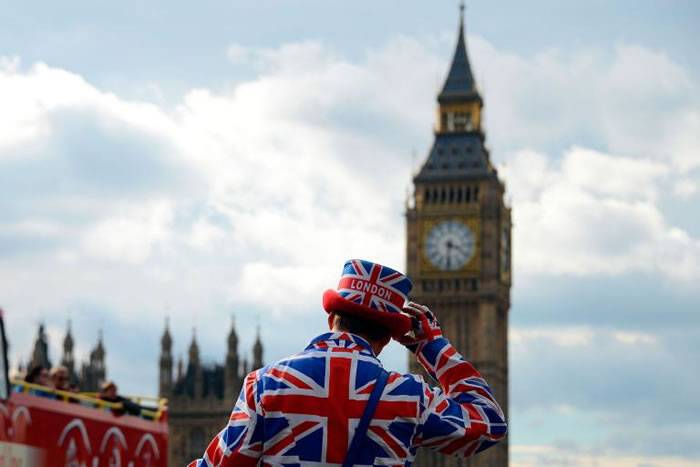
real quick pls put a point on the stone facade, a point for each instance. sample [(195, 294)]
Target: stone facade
[(200, 397), (458, 244)]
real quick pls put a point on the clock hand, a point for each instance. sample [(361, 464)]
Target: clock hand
[(460, 249), (448, 255)]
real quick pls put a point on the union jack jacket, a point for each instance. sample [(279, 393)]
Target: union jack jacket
[(302, 411)]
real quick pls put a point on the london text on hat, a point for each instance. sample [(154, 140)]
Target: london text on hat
[(374, 292)]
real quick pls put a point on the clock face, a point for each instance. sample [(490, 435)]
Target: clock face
[(450, 245)]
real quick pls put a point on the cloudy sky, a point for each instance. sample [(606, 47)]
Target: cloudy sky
[(224, 158)]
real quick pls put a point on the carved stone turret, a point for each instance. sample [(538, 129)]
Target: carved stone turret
[(94, 372), (68, 359), (257, 352), (165, 379), (40, 354), (194, 369), (231, 375)]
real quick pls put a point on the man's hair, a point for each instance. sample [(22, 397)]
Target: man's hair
[(369, 329), (34, 373)]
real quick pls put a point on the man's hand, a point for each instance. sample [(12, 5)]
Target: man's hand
[(425, 327)]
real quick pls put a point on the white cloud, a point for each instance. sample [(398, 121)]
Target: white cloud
[(632, 101), (620, 177), (532, 455), (576, 336), (685, 188), (32, 97), (634, 338), (594, 213), (284, 289), (130, 235)]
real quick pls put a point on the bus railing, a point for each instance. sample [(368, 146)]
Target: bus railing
[(91, 399)]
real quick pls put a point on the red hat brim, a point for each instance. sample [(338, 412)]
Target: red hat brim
[(397, 323)]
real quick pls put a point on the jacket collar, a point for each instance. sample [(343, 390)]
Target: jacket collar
[(341, 339)]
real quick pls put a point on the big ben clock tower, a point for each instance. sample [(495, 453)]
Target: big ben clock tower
[(458, 243)]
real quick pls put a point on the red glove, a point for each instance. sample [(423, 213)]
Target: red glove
[(425, 327)]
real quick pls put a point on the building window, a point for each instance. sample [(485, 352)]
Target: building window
[(462, 121), (476, 193), (459, 194), (468, 195)]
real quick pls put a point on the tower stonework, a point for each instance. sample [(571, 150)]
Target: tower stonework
[(458, 243)]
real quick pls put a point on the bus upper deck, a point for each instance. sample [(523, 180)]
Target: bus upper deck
[(40, 426)]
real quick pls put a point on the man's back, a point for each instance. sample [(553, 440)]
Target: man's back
[(303, 410)]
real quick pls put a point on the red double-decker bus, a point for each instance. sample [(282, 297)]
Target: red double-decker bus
[(44, 427)]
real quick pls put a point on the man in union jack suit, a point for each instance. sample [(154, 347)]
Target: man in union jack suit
[(334, 403)]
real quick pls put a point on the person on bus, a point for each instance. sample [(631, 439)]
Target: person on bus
[(59, 378), (108, 392), (334, 403), (38, 374)]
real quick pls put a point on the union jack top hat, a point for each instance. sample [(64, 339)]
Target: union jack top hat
[(372, 291)]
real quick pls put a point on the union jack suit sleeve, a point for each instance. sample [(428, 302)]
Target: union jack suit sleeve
[(240, 442), (461, 417)]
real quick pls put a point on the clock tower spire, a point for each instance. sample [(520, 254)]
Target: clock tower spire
[(458, 240)]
